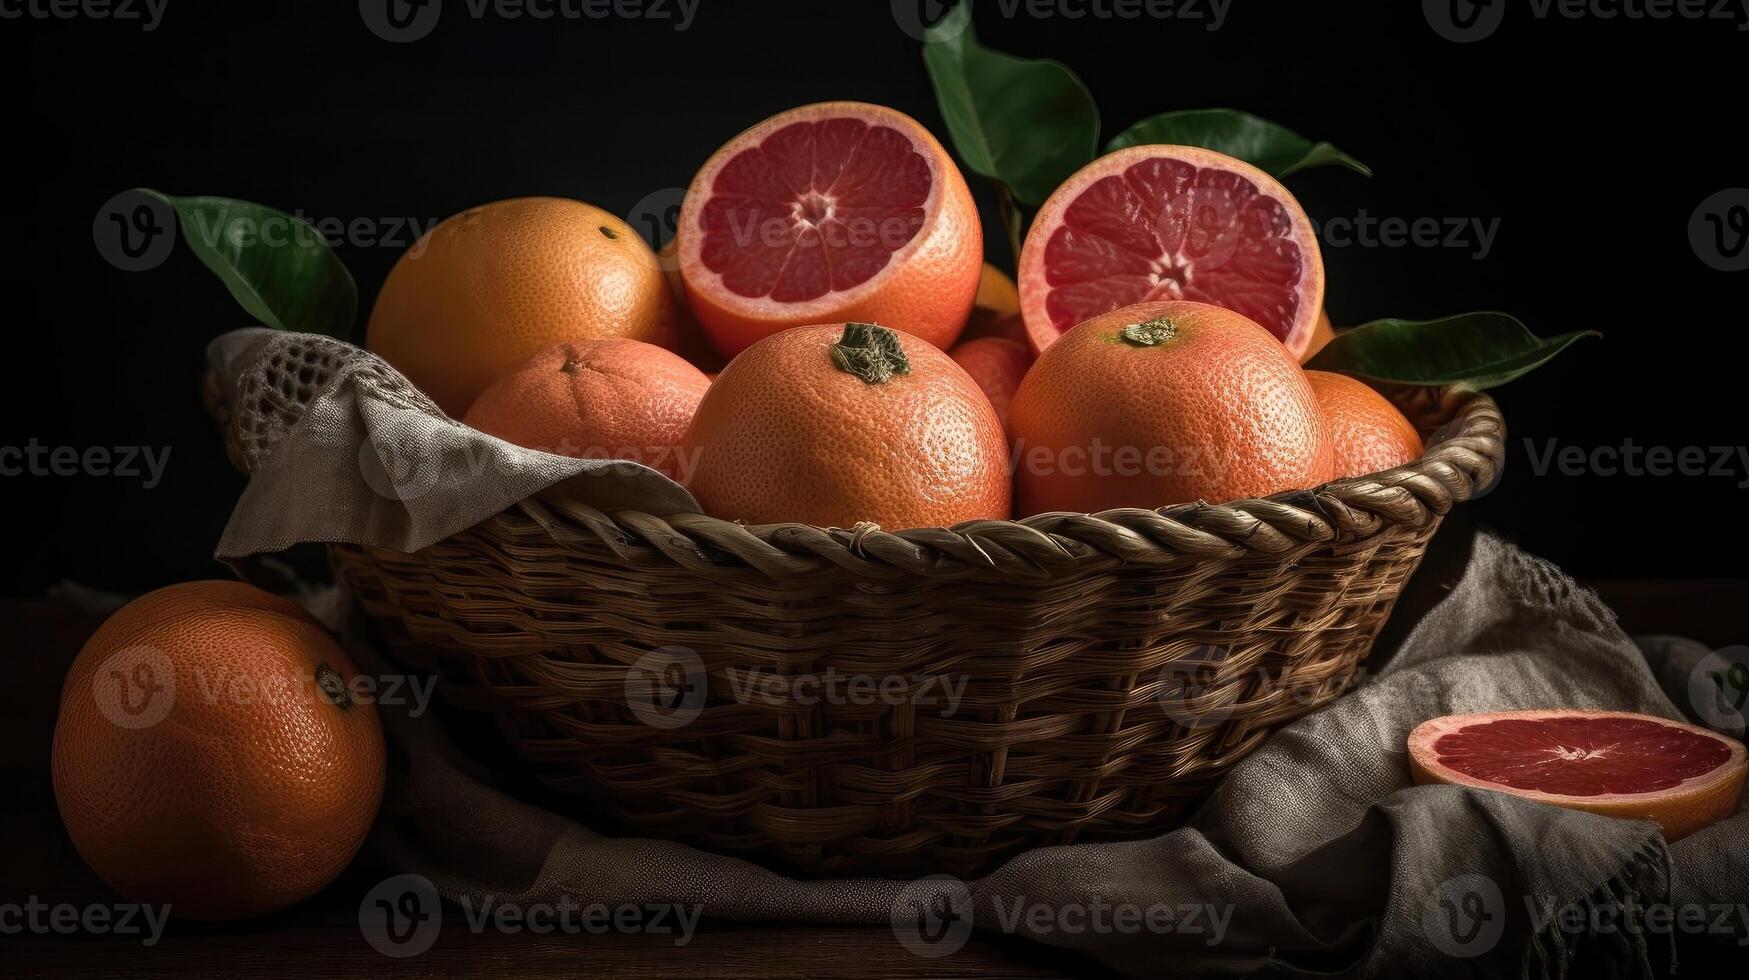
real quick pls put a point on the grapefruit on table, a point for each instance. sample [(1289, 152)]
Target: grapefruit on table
[(213, 752), (836, 424), (1171, 222), (832, 212), (488, 288), (1164, 403), (1367, 433), (1622, 765), (597, 399)]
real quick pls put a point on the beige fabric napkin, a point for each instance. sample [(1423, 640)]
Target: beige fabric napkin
[(342, 449)]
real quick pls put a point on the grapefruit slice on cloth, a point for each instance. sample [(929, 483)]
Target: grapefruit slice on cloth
[(1171, 222), (833, 212), (1609, 762)]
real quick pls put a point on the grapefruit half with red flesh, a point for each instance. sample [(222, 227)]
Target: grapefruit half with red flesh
[(833, 212), (1622, 765), (1171, 222)]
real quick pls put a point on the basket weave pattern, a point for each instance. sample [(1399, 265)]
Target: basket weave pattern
[(1103, 669)]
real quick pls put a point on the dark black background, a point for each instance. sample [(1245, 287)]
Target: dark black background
[(1591, 159)]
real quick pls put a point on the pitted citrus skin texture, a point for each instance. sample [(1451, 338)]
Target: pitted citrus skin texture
[(786, 434)]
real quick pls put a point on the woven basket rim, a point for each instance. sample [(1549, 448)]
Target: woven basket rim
[(1464, 451), (1461, 458)]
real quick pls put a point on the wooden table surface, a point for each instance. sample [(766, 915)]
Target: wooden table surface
[(322, 936)]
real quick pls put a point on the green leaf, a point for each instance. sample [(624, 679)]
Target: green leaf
[(277, 266), (1469, 350), (1029, 124), (1274, 149)]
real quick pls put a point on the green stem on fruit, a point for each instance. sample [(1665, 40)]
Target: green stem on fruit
[(871, 352), (333, 686), (1149, 333)]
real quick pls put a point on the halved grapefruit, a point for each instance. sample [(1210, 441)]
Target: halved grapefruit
[(1622, 765), (1171, 222), (837, 211)]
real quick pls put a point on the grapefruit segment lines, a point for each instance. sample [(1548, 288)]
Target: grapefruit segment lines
[(1155, 223), (834, 212), (1633, 766)]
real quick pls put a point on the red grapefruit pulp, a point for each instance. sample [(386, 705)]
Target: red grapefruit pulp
[(1171, 222), (830, 212), (1624, 765)]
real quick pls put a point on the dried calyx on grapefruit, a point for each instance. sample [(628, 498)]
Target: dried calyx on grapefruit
[(1164, 403), (1163, 222), (836, 424), (832, 212), (1639, 767)]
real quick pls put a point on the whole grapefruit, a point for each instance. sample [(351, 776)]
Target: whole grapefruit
[(826, 213), (1367, 433), (837, 424), (214, 752), (997, 364), (596, 399), (1163, 403), (488, 288)]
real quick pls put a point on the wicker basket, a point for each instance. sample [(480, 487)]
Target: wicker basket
[(855, 701)]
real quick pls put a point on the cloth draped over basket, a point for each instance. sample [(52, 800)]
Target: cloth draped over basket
[(341, 448), (1110, 670)]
